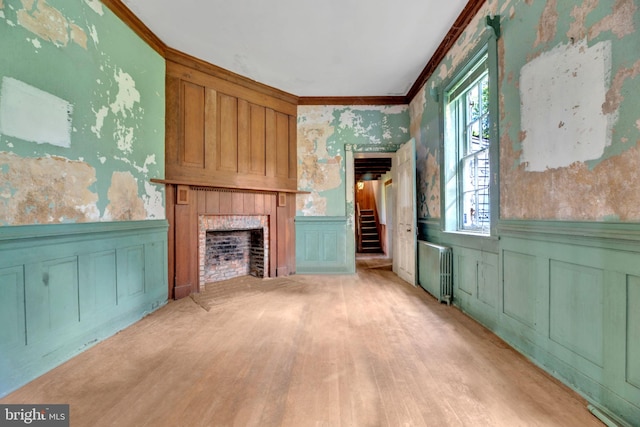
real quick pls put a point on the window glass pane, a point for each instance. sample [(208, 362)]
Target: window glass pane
[(468, 137)]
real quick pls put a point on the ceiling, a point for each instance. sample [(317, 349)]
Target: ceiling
[(330, 48)]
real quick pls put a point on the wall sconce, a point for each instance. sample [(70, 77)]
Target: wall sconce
[(360, 185)]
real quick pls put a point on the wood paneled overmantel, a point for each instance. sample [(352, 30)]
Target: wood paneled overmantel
[(230, 150)]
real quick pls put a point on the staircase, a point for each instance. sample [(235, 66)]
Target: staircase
[(368, 232)]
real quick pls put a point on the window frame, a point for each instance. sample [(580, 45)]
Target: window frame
[(451, 187)]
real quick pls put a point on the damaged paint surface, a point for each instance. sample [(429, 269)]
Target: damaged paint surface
[(565, 86), (47, 190), (112, 85), (323, 133), (568, 142), (50, 24)]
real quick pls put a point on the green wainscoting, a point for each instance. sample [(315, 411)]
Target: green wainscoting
[(565, 294), (324, 245), (66, 287)]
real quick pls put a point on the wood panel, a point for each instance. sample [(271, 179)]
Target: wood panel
[(221, 137), (271, 142), (576, 309), (519, 277), (293, 148), (211, 128), (231, 88), (322, 246), (228, 137), (194, 118), (258, 140), (52, 298), (130, 272), (633, 330), (282, 145), (170, 194), (183, 251), (173, 120), (12, 313), (58, 293), (244, 137)]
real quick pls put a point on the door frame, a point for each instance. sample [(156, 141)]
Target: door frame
[(351, 152)]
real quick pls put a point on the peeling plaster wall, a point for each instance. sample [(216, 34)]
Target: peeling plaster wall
[(571, 154), (81, 116), (323, 133)]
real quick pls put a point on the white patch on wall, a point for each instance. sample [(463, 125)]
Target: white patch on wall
[(31, 114), (35, 42), (127, 94), (562, 92), (153, 202), (93, 33), (96, 6), (101, 114), (123, 108)]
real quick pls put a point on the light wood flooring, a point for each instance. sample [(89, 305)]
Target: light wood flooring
[(360, 350)]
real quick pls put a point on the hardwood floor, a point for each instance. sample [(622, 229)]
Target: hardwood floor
[(361, 350)]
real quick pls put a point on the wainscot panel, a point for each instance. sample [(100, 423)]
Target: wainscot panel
[(66, 287), (323, 245), (570, 298)]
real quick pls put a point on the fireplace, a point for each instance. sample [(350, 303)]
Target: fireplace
[(231, 246)]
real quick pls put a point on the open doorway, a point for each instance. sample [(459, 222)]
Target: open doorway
[(373, 194)]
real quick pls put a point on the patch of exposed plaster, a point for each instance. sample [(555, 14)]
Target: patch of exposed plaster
[(467, 41), (620, 22), (614, 94), (153, 201), (311, 204), (49, 24), (46, 190), (432, 182), (124, 203), (559, 194), (548, 23), (577, 29), (1, 4), (561, 92), (416, 111), (96, 6)]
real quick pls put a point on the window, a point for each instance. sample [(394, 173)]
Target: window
[(469, 147)]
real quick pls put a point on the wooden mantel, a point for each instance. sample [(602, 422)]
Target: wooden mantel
[(226, 187)]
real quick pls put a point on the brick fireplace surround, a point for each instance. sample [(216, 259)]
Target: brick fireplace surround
[(228, 223)]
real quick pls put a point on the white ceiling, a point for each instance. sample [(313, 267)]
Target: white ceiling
[(306, 47)]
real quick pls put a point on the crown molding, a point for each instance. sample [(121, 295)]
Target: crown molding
[(352, 100), (458, 27), (133, 22)]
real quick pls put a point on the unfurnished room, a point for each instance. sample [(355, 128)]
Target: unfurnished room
[(338, 213)]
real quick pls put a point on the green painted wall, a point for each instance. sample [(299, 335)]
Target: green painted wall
[(323, 134), (81, 116), (83, 239), (328, 137), (558, 281)]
